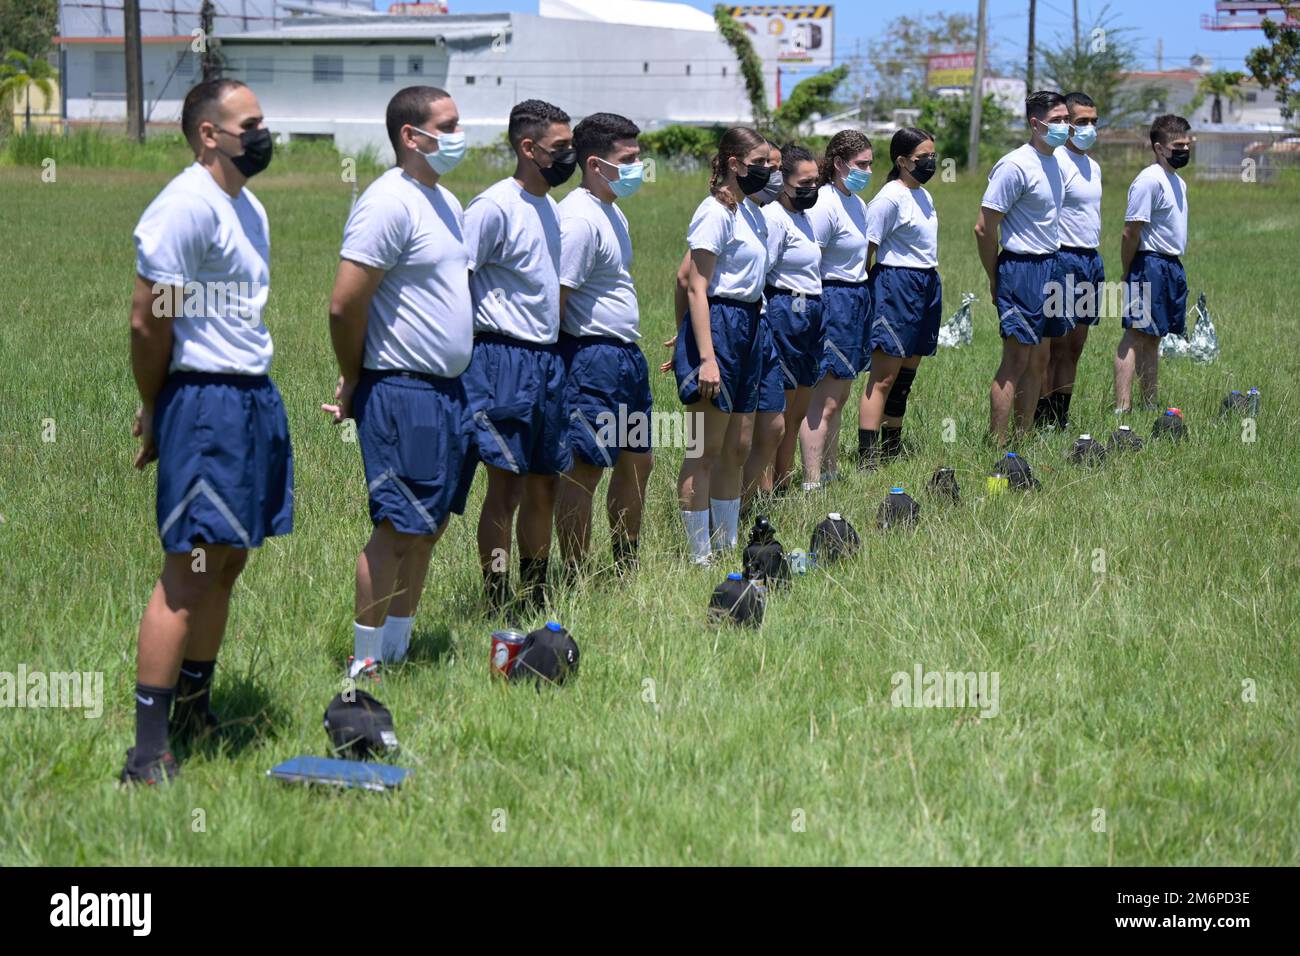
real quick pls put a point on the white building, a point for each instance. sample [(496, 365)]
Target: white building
[(331, 77)]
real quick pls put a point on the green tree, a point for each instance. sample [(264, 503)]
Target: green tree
[(751, 67), (947, 119), (1222, 85), (813, 96), (1277, 66), (900, 59), (28, 25), (1099, 66), (18, 71)]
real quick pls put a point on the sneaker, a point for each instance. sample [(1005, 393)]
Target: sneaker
[(704, 560), (366, 667), (161, 769)]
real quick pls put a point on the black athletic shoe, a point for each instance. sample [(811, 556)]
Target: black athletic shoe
[(161, 769)]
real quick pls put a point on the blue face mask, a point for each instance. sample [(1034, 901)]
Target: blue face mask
[(451, 150), (857, 180), (630, 178), (1085, 137), (1057, 134)]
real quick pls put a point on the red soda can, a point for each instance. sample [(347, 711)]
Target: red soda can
[(505, 648)]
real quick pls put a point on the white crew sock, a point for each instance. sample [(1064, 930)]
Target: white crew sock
[(726, 519), (697, 533), (397, 637), (367, 642)]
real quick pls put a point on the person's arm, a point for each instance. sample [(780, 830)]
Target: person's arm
[(683, 282), (564, 299), (1128, 246), (697, 293), (151, 353), (354, 286), (986, 241), (871, 254)]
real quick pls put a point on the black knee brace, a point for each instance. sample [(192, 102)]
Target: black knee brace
[(896, 403)]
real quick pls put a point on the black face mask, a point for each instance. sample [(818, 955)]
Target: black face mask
[(805, 197), (1179, 158), (924, 169), (256, 156), (563, 163), (755, 178)]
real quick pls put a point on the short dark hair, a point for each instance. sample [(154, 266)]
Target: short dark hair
[(202, 102), (1079, 99), (597, 134), (1041, 103), (1168, 127), (531, 119), (409, 107), (792, 154)]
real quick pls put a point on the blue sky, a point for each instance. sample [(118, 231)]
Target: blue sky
[(1176, 22)]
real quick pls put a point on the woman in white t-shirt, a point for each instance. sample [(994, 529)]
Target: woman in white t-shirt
[(906, 296), (716, 358)]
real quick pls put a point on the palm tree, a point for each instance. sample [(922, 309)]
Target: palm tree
[(20, 72), (1221, 84)]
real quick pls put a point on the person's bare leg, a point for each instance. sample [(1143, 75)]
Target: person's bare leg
[(501, 500), (174, 625), (709, 431), (896, 421), (728, 473), (1002, 394), (625, 499), (819, 427), (1125, 368), (573, 499), (390, 573), (1029, 386), (1148, 361), (796, 408), (769, 432), (871, 407), (208, 625), (1065, 359), (411, 574)]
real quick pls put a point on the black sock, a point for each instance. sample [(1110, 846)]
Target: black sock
[(193, 690), (532, 581), (496, 588), (1063, 408), (891, 442), (868, 447), (1046, 410), (625, 553), (152, 708)]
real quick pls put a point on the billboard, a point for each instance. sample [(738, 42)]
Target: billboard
[(950, 71), (789, 33)]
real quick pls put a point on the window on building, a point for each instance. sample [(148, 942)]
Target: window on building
[(645, 67), (469, 81), (1252, 97), (498, 81), (387, 69), (327, 68), (110, 73), (724, 73), (688, 69), (187, 68), (259, 69), (415, 66)]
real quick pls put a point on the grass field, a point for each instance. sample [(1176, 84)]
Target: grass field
[(1120, 691)]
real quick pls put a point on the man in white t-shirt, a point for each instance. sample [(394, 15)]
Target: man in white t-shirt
[(608, 381), (209, 414), (402, 330), (1023, 201), (1082, 273), (515, 380), (1155, 238)]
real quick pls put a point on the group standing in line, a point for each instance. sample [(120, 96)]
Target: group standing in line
[(506, 334)]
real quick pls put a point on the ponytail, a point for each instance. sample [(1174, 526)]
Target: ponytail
[(737, 141)]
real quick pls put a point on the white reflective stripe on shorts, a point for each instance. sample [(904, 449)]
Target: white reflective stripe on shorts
[(789, 376), (575, 414), (726, 396), (1023, 321), (482, 418), (881, 320), (391, 475), (843, 358), (201, 487), (681, 389)]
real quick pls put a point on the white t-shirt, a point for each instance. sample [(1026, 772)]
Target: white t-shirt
[(420, 316), (794, 259), (1159, 199), (217, 249), (1027, 188), (904, 225), (513, 238), (840, 225), (596, 266), (739, 240), (1081, 209)]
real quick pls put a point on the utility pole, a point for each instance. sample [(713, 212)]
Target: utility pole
[(1029, 61), (134, 84), (1160, 54), (1076, 27), (977, 94), (211, 63)]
